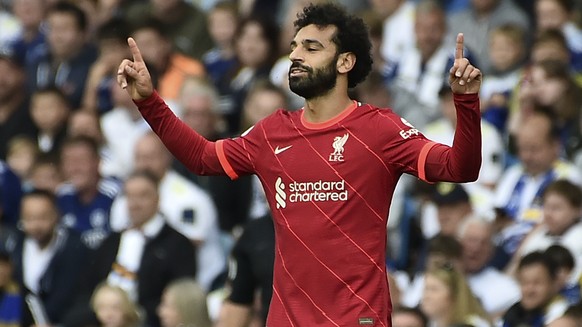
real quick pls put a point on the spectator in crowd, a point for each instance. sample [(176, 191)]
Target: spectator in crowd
[(398, 34), (453, 205), (171, 66), (50, 111), (540, 303), (22, 152), (143, 259), (256, 46), (66, 61), (85, 123), (479, 20), (45, 174), (507, 51), (184, 304), (562, 210), (422, 68), (250, 275), (10, 299), (48, 259), (520, 190), (185, 206), (569, 282), (30, 14), (552, 45), (85, 199), (552, 87), (14, 114), (184, 24), (113, 307), (441, 249), (559, 14), (222, 24), (110, 40), (10, 196), (447, 299), (476, 237), (408, 317)]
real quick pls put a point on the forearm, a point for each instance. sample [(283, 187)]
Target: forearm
[(462, 162), (183, 142)]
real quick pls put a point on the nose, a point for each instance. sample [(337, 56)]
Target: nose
[(295, 55)]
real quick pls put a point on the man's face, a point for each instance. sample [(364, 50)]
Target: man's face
[(536, 286), (80, 166), (151, 155), (537, 151), (142, 200), (197, 113), (64, 36), (39, 218), (429, 29), (550, 14), (477, 247), (313, 70)]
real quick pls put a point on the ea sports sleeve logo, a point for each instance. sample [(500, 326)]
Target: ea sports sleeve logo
[(408, 133), (281, 196)]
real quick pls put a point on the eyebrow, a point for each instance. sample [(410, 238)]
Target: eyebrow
[(308, 42)]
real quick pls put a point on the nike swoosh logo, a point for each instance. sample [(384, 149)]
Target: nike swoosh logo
[(279, 150)]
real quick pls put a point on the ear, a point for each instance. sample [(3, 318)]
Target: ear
[(345, 62)]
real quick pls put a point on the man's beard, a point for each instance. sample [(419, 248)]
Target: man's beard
[(316, 83)]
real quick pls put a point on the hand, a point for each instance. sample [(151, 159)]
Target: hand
[(134, 75), (464, 78)]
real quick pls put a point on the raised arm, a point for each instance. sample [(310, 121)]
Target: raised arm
[(195, 152), (462, 161)]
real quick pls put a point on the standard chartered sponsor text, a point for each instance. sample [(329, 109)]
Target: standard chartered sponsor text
[(318, 191)]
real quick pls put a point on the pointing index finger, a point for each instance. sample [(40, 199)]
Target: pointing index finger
[(459, 47), (134, 50)]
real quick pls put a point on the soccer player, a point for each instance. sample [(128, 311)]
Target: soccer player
[(328, 170)]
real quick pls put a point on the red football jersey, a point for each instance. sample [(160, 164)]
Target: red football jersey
[(329, 186)]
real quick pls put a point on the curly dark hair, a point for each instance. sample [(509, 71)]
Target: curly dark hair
[(351, 36)]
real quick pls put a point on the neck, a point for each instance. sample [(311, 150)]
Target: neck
[(325, 107), (88, 194), (44, 243)]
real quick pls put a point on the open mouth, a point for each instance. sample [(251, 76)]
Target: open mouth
[(297, 71)]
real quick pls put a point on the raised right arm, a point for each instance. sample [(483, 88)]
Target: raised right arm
[(195, 152)]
